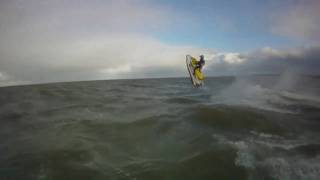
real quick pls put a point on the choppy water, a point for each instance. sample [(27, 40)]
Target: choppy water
[(264, 127)]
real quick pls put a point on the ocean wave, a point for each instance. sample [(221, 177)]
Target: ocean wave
[(234, 118), (158, 129), (182, 100), (275, 157), (243, 92)]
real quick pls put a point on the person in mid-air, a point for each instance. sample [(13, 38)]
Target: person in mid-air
[(200, 63)]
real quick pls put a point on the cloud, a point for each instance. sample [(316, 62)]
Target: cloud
[(115, 56), (83, 16), (300, 20), (46, 41), (107, 56), (3, 76), (233, 58), (6, 80), (49, 41), (266, 60)]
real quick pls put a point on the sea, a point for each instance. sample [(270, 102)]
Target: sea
[(247, 127)]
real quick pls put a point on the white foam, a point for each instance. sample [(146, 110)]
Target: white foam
[(302, 98), (293, 168), (244, 156), (264, 135), (245, 93), (279, 165)]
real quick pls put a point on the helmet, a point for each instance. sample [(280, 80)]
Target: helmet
[(202, 59)]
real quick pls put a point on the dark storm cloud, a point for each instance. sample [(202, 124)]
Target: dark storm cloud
[(267, 60)]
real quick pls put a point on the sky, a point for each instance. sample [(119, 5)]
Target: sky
[(75, 40)]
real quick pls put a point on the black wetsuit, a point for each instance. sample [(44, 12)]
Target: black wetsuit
[(199, 65)]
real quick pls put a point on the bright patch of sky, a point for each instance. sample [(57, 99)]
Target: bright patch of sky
[(238, 25)]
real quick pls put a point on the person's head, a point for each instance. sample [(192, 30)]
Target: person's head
[(202, 62)]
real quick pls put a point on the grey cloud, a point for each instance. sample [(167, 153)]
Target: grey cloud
[(45, 41), (85, 16), (48, 41), (268, 60), (300, 20)]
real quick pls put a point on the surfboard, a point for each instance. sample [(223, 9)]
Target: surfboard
[(196, 82)]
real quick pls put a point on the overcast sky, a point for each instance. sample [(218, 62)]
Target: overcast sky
[(72, 40)]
